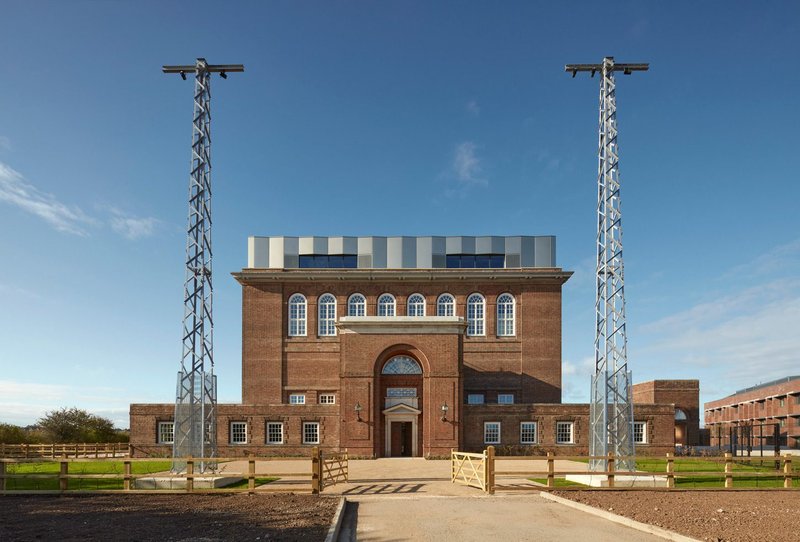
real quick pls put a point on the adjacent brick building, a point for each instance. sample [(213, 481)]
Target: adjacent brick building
[(407, 346), (759, 407)]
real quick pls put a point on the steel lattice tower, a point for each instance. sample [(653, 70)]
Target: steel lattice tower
[(196, 396), (611, 407)]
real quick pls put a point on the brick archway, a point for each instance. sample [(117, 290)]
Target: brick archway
[(398, 404)]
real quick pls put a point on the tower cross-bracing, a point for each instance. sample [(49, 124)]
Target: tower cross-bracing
[(611, 407), (196, 395)]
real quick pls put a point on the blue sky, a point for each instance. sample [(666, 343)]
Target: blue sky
[(392, 118)]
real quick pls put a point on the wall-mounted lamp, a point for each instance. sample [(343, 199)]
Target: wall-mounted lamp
[(445, 408), (358, 411)]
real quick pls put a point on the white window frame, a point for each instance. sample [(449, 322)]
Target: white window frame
[(471, 396), (297, 399), (162, 429), (297, 315), (385, 307), (522, 432), (486, 437), (446, 305), (506, 315), (237, 436), (643, 432), (357, 305), (271, 425), (326, 315), (506, 401), (559, 426), (476, 315), (327, 399), (415, 306), (305, 433)]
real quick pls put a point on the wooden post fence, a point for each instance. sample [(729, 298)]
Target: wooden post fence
[(787, 471), (670, 470), (63, 481), (611, 470), (316, 471), (251, 474), (189, 475), (551, 470), (489, 466), (2, 476), (126, 481), (728, 470)]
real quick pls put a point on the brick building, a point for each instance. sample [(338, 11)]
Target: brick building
[(408, 346), (775, 402)]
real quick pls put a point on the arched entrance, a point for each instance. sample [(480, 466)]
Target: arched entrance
[(401, 402)]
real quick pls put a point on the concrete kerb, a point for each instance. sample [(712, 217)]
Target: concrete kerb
[(622, 520), (336, 523)]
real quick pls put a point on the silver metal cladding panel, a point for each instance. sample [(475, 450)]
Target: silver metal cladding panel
[(527, 254), (257, 252), (460, 245), (430, 252), (342, 245), (313, 245), (490, 245), (401, 252), (545, 251)]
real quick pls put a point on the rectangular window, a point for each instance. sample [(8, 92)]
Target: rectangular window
[(491, 432), (564, 433), (640, 432), (166, 432), (327, 399), (297, 399), (401, 392), (783, 401), (310, 432), (527, 433), (782, 422), (475, 399), (238, 432), (797, 399), (274, 433), (505, 398)]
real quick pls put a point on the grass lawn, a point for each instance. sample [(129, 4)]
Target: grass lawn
[(78, 467)]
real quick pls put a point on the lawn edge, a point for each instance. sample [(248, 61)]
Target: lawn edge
[(336, 522)]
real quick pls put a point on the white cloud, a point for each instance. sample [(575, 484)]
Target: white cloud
[(17, 191), (467, 166), (473, 108), (5, 143), (575, 379), (132, 227)]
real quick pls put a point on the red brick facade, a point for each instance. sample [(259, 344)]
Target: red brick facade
[(684, 395), (525, 367), (772, 403)]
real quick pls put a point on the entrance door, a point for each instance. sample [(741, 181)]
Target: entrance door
[(401, 439)]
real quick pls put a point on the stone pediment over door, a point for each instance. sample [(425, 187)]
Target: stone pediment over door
[(400, 410)]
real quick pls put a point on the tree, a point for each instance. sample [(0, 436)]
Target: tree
[(76, 425), (12, 434)]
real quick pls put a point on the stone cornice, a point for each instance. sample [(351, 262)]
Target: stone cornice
[(554, 275), (401, 324)]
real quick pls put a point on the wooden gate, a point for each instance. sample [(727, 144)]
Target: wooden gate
[(473, 470), (328, 469)]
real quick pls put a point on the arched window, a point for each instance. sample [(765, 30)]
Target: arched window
[(297, 315), (505, 315), (386, 304), (476, 310), (446, 305), (416, 305), (402, 365), (357, 305), (326, 307)]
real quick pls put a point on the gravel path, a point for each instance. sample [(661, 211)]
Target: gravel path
[(729, 516)]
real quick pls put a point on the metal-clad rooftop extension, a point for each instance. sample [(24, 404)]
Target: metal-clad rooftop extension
[(434, 252)]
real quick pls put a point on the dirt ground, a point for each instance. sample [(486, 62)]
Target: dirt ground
[(729, 516), (166, 517)]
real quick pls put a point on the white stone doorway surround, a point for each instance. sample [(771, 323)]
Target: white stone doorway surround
[(399, 414)]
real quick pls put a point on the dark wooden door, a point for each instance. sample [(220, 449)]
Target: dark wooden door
[(401, 439)]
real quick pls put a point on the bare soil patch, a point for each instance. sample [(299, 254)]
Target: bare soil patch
[(166, 517), (729, 516)]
